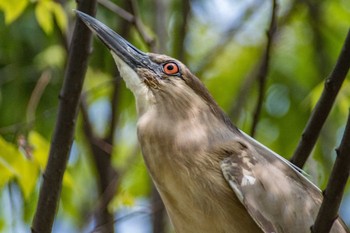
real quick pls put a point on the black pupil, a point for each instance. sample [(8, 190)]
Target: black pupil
[(170, 67)]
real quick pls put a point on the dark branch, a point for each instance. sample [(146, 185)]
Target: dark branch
[(107, 178), (264, 67), (336, 185), (63, 135), (323, 106), (158, 211), (115, 99)]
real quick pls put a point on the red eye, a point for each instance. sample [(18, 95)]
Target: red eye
[(170, 68)]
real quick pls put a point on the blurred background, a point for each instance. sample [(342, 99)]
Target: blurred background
[(106, 185)]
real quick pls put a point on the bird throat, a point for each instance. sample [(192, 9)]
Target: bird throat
[(144, 97)]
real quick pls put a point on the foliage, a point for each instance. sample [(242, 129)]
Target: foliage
[(33, 48)]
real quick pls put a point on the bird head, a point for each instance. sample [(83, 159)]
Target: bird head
[(157, 81)]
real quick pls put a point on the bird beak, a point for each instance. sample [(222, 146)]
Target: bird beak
[(128, 53)]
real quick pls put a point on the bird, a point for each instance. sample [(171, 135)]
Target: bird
[(211, 176)]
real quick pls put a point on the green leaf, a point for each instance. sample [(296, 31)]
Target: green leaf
[(8, 151), (343, 99), (12, 9), (8, 154), (97, 87), (45, 11), (60, 16), (123, 198), (136, 181), (52, 56), (7, 172), (27, 175), (68, 180), (14, 164), (43, 15), (40, 148)]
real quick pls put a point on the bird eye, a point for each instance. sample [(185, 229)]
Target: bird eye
[(171, 68)]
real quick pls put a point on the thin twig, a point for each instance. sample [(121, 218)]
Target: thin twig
[(180, 33), (235, 26), (63, 135), (105, 196), (264, 67), (160, 24), (107, 178), (158, 217), (117, 10), (36, 95), (115, 100), (333, 194), (322, 59), (239, 100), (143, 211), (149, 40), (133, 18), (323, 106), (102, 202)]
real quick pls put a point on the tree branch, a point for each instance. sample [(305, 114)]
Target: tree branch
[(323, 106), (333, 194), (239, 100), (115, 99), (117, 10), (264, 67), (180, 31), (158, 211), (161, 10), (234, 28), (143, 211), (36, 96), (63, 135), (133, 18), (107, 175), (322, 59)]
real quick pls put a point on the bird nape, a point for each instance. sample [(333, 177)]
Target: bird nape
[(211, 176)]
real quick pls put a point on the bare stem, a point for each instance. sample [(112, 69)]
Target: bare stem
[(264, 67), (62, 139), (336, 185), (133, 18), (107, 176), (323, 107)]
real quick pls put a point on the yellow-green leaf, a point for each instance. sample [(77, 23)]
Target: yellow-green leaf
[(68, 180), (12, 9), (123, 198), (7, 172), (52, 56), (60, 16), (14, 164), (8, 151), (8, 154), (27, 175), (40, 148), (43, 14), (343, 100)]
